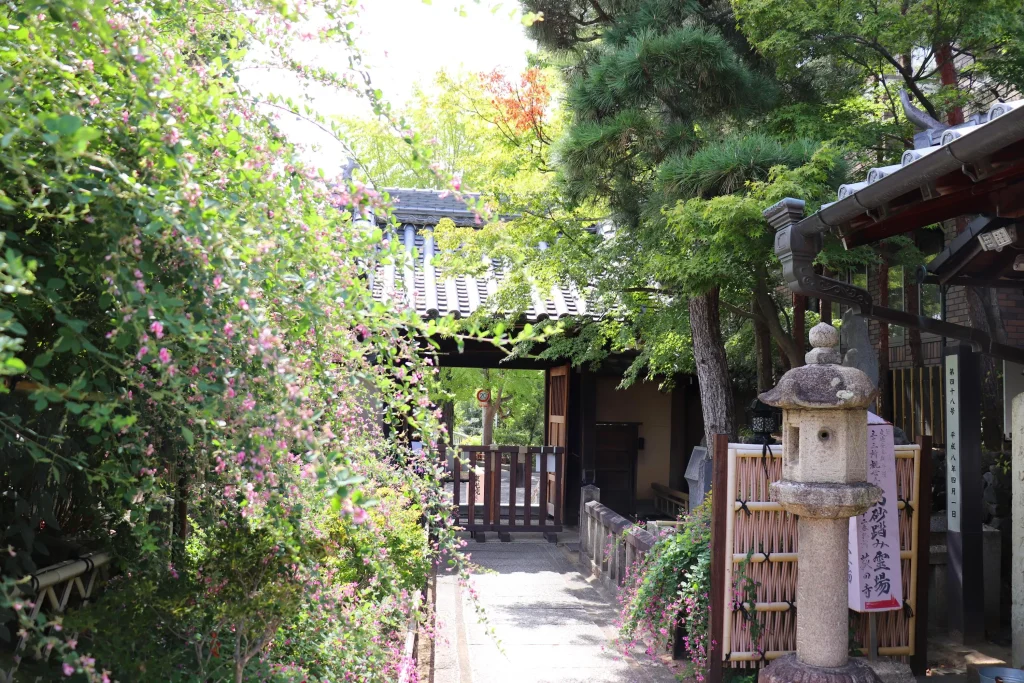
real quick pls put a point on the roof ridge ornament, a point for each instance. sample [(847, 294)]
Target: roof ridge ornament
[(921, 119)]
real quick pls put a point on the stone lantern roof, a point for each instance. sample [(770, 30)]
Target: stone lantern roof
[(823, 383)]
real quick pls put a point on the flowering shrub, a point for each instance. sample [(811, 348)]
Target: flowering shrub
[(669, 587), (196, 374)]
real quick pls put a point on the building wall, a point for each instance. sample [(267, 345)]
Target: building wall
[(651, 409)]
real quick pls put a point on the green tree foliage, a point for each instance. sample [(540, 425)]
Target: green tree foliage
[(652, 81), (883, 46), (666, 98), (517, 398), (490, 131)]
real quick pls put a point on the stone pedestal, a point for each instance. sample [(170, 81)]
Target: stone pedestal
[(790, 669), (824, 469)]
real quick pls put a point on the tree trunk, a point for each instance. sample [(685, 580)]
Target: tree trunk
[(448, 418), (712, 368), (487, 438), (762, 347), (947, 76), (799, 323), (792, 352)]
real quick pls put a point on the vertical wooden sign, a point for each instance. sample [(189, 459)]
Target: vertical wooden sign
[(964, 570), (953, 433), (875, 573)]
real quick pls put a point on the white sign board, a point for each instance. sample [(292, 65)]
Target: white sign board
[(952, 381), (875, 573)]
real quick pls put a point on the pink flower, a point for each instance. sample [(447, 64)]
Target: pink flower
[(165, 356), (157, 328), (229, 329), (359, 515), (68, 669)]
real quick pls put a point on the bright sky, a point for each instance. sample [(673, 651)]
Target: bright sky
[(406, 42)]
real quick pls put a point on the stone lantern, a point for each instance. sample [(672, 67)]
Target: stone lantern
[(824, 482)]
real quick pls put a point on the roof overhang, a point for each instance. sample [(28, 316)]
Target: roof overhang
[(979, 172)]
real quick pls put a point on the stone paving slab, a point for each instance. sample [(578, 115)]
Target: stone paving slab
[(551, 625)]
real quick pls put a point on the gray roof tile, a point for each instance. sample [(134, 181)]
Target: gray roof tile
[(426, 287)]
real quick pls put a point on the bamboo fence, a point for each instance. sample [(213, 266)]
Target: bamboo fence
[(762, 537)]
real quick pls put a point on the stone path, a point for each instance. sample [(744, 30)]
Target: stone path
[(552, 625)]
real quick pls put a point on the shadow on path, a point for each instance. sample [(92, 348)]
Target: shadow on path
[(550, 624)]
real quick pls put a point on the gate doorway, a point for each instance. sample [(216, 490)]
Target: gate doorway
[(615, 466)]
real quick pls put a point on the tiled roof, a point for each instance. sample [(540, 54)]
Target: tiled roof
[(425, 286), (427, 207), (928, 141)]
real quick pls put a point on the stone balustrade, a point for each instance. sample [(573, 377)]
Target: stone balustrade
[(609, 543)]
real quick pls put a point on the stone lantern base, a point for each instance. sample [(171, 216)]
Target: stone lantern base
[(789, 669)]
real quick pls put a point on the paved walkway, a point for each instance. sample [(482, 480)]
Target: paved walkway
[(551, 625)]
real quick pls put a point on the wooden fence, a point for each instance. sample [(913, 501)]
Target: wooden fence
[(752, 533), (494, 488), (918, 402), (670, 502)]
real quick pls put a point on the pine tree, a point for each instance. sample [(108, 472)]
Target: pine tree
[(652, 83)]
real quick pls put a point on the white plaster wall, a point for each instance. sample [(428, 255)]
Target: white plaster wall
[(651, 409)]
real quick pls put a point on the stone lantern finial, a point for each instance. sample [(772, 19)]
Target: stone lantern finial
[(825, 345)]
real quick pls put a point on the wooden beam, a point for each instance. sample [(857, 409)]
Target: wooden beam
[(721, 506)]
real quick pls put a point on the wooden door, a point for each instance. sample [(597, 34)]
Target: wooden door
[(615, 466), (558, 405), (557, 426)]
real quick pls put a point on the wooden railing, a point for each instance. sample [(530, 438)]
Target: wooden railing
[(494, 488), (610, 543), (670, 502)]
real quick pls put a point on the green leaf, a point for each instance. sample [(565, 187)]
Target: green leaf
[(68, 124), (190, 438), (14, 366)]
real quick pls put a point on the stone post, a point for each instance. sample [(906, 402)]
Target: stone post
[(1017, 529), (587, 494), (824, 482)]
